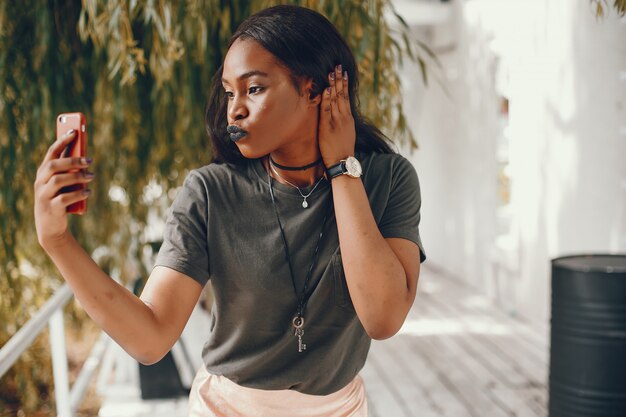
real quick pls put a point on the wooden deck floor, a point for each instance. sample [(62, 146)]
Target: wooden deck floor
[(457, 355)]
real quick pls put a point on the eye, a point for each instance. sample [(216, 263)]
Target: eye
[(228, 95), (255, 89)]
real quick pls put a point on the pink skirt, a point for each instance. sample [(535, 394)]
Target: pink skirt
[(217, 396)]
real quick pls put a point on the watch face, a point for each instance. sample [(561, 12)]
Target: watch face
[(353, 167)]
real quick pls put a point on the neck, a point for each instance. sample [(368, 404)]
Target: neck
[(302, 178)]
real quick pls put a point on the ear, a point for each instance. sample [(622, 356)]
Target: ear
[(312, 92)]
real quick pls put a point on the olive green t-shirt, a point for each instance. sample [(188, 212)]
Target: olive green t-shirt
[(222, 227)]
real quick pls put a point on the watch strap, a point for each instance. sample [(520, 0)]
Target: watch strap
[(336, 170)]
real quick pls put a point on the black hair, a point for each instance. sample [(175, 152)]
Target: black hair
[(309, 46)]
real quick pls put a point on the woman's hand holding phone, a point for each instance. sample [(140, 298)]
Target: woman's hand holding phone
[(55, 173)]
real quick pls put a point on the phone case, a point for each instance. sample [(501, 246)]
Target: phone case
[(78, 148)]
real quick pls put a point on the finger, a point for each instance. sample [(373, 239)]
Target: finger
[(334, 111), (54, 151), (65, 199), (57, 182), (339, 81), (55, 166), (343, 98), (325, 112)]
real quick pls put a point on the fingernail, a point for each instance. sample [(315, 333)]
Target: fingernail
[(69, 132), (87, 191), (328, 90), (332, 76), (345, 75), (89, 174), (86, 160), (339, 68)]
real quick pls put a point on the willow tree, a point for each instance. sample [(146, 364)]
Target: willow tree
[(140, 71)]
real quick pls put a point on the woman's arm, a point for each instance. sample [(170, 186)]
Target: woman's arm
[(381, 273), (146, 328)]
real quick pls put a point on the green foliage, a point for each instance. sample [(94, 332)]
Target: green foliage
[(140, 71), (601, 6)]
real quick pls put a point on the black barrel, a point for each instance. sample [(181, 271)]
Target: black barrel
[(588, 336)]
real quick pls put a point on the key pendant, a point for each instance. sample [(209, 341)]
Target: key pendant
[(301, 346), (298, 325)]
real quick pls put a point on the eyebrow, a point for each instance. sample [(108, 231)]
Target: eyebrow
[(248, 75)]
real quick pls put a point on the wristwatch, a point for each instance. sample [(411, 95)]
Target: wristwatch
[(349, 166)]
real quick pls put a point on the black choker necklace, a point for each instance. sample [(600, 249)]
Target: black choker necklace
[(286, 168)]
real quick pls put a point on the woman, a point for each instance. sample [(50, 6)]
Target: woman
[(306, 223)]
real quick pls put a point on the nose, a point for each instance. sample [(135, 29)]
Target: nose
[(236, 109)]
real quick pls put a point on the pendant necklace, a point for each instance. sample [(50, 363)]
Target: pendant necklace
[(305, 204), (298, 321)]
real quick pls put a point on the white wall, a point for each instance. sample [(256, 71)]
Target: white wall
[(568, 191), (564, 73)]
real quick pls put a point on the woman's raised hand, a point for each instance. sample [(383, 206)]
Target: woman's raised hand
[(337, 134), (51, 205)]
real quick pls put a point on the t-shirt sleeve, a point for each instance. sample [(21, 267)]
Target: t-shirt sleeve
[(401, 217), (185, 245)]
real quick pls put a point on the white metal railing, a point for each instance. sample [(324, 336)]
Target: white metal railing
[(67, 400)]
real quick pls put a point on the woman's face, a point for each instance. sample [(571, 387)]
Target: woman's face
[(263, 101)]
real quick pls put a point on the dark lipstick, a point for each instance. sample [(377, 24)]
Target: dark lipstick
[(235, 132)]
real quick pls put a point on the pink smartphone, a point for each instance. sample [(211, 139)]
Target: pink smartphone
[(77, 148)]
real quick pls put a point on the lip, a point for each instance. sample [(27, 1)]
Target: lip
[(235, 133), (237, 136)]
